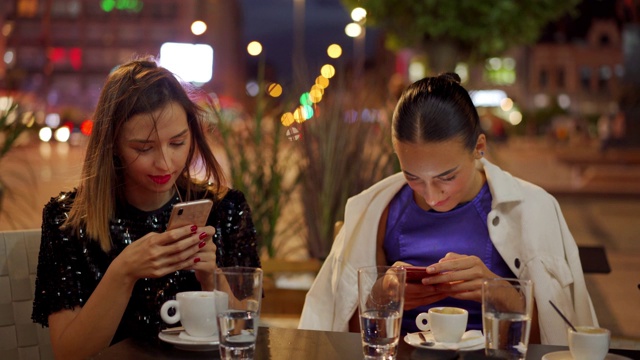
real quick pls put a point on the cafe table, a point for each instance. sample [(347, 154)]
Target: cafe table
[(293, 344)]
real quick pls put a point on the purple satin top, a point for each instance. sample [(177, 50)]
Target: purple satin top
[(421, 238)]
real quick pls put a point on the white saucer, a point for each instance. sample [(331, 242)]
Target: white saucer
[(566, 355), (192, 345), (471, 340)]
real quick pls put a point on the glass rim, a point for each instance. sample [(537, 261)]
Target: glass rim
[(515, 280), (381, 267), (238, 270)]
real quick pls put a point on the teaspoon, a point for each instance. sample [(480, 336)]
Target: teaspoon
[(424, 341)]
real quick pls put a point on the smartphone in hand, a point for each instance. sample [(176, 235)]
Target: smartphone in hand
[(190, 213), (415, 274)]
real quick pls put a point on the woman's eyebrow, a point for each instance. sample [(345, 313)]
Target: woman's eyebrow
[(180, 134), (439, 175), (447, 172), (146, 141)]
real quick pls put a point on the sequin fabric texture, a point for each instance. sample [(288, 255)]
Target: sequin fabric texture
[(70, 267)]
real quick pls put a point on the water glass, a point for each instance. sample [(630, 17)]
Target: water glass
[(507, 307), (238, 325), (380, 303)]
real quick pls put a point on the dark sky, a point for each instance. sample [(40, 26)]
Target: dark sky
[(271, 23)]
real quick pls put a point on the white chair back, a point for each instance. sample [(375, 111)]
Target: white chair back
[(20, 338)]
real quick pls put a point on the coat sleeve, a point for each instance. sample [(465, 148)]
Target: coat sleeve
[(558, 277), (320, 304), (584, 311), (333, 297)]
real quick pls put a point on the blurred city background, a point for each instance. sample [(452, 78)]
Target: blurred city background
[(301, 93)]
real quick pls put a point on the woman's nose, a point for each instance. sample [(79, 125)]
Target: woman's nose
[(161, 160), (431, 195)]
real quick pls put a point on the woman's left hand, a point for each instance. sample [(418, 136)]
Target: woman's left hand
[(459, 275), (204, 262)]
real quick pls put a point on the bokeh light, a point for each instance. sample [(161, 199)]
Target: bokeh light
[(515, 117), (8, 57), (86, 127), (293, 133), (315, 95), (252, 88), (274, 90), (506, 104), (328, 71), (462, 70), (45, 134), (494, 63), (358, 14), (298, 115), (307, 111), (287, 119), (353, 30), (322, 82), (52, 120), (305, 99), (334, 51), (317, 88), (564, 101), (254, 48), (62, 134), (198, 27)]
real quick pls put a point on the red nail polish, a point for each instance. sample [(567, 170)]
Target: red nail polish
[(194, 229), (196, 260), (202, 244), (203, 235)]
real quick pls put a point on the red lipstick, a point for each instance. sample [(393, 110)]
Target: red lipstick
[(162, 179)]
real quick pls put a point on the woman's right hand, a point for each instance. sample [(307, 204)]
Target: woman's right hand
[(157, 254), (419, 295)]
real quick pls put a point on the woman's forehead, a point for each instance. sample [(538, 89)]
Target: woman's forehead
[(166, 121), (433, 157)]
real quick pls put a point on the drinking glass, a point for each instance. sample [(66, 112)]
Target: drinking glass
[(507, 307), (238, 325), (380, 303)]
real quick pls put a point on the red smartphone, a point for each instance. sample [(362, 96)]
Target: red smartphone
[(190, 213), (415, 274)]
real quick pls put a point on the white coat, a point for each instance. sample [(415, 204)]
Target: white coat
[(525, 224)]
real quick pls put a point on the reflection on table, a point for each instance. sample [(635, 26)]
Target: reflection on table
[(293, 344)]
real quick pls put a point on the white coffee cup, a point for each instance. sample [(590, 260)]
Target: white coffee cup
[(197, 311), (447, 324), (589, 343)]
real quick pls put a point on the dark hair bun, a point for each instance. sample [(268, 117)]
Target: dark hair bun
[(451, 76)]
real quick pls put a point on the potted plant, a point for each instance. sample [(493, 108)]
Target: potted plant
[(14, 122), (262, 166)]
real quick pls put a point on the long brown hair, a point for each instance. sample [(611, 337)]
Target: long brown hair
[(136, 87)]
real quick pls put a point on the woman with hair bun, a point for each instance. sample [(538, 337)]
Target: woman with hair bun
[(457, 214)]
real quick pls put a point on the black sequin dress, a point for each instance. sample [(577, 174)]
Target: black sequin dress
[(70, 267)]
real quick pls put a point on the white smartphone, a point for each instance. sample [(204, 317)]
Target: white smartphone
[(190, 213)]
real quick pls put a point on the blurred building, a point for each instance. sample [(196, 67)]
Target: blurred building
[(62, 50), (585, 77), (582, 76)]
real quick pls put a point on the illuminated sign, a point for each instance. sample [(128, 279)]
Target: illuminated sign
[(487, 98), (189, 62), (128, 5)]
